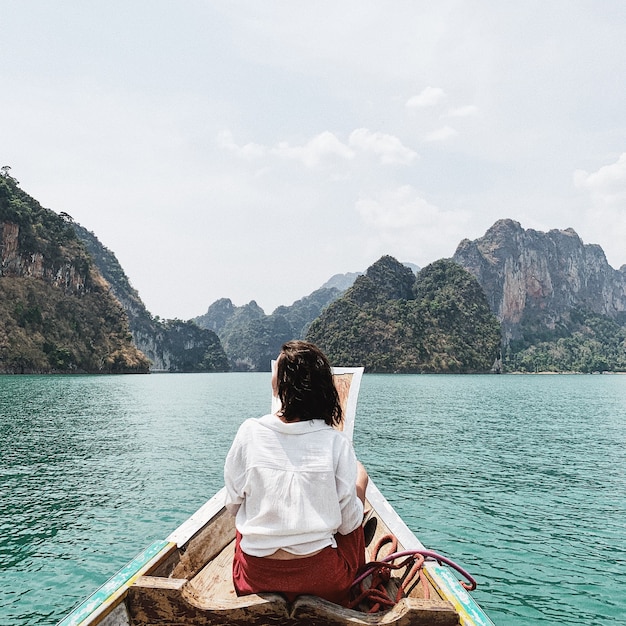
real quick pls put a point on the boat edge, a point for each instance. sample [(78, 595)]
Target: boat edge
[(440, 576)]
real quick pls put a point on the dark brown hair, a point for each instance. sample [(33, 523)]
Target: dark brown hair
[(305, 385)]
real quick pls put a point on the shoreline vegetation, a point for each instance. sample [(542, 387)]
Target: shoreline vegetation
[(162, 372)]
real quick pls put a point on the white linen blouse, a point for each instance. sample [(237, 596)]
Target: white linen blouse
[(291, 486)]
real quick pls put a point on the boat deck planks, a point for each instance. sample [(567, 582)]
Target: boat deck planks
[(207, 596), (215, 580)]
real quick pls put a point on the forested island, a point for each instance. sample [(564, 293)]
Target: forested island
[(393, 321)]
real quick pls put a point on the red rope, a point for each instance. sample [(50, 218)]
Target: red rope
[(376, 594)]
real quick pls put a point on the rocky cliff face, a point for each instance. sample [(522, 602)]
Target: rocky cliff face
[(69, 271), (57, 313), (535, 279), (171, 345)]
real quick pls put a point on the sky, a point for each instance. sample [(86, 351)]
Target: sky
[(251, 150)]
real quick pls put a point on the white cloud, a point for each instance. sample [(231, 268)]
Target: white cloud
[(410, 227), (311, 154), (441, 134), (226, 141), (388, 147), (317, 149), (608, 183), (428, 97)]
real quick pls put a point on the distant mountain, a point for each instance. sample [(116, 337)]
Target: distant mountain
[(414, 268), (342, 282), (251, 338), (57, 313), (302, 312), (562, 307), (171, 345), (392, 321)]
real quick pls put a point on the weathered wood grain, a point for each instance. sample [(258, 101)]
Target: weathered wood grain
[(205, 545), (309, 610)]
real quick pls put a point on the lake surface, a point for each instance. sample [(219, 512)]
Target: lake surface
[(520, 479)]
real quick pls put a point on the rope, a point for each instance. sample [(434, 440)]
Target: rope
[(379, 569)]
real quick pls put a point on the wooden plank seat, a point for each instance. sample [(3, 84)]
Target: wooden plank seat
[(164, 601), (207, 595)]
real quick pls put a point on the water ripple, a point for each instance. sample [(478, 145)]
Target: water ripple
[(520, 479)]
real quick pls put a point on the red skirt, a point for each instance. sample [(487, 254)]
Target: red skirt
[(329, 574)]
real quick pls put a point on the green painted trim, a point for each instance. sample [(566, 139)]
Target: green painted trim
[(448, 586), (117, 582)]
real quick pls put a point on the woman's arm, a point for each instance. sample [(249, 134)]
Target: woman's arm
[(361, 481), (351, 480)]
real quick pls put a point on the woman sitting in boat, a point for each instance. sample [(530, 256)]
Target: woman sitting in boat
[(296, 488)]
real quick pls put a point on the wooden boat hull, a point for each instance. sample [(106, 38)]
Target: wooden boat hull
[(186, 579)]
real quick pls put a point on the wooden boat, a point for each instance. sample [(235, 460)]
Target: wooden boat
[(186, 579)]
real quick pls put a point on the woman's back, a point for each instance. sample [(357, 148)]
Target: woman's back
[(299, 481)]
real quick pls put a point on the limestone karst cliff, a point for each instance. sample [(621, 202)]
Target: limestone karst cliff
[(251, 338), (562, 307), (171, 345), (66, 304), (534, 279)]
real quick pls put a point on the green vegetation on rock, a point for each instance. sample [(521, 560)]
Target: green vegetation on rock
[(392, 321), (251, 339), (43, 330), (171, 345), (191, 348), (587, 343), (56, 312)]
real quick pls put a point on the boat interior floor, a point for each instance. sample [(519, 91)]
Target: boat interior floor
[(196, 588)]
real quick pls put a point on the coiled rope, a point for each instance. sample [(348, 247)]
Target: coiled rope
[(375, 594)]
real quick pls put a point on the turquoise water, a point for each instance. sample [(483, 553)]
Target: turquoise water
[(520, 479)]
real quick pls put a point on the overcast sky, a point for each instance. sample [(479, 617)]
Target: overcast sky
[(251, 150)]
